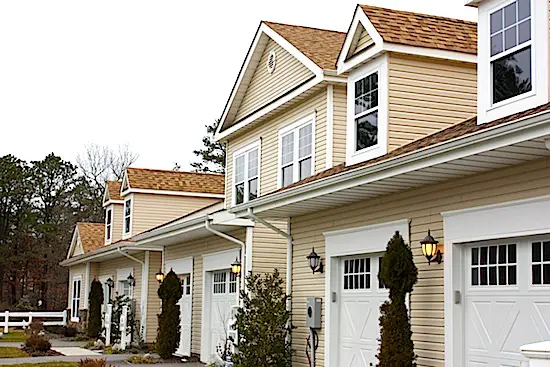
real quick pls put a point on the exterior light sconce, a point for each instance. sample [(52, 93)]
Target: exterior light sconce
[(159, 276), (236, 267), (430, 249), (131, 280), (110, 283), (315, 262)]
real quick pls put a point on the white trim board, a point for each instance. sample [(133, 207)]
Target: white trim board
[(512, 219), (180, 266), (329, 143), (351, 241), (219, 260)]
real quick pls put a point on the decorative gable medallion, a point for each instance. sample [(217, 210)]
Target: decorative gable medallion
[(271, 61)]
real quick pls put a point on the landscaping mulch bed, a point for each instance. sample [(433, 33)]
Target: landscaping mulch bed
[(49, 353)]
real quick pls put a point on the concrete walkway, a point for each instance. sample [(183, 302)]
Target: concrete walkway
[(76, 351)]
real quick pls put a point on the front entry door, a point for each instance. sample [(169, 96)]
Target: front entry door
[(184, 347), (361, 297)]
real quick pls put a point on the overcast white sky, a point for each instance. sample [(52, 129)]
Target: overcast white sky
[(147, 73)]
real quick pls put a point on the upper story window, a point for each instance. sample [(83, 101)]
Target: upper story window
[(297, 151), (127, 216), (108, 225), (510, 44), (366, 112), (246, 179)]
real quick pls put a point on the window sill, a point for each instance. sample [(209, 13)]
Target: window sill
[(511, 100), (366, 154)]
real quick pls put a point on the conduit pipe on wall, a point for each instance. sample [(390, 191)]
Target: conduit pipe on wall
[(289, 249), (208, 227)]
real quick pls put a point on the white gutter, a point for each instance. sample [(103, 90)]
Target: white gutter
[(234, 240), (289, 250), (525, 128)]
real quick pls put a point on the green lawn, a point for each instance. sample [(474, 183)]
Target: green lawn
[(45, 364), (12, 352), (13, 336)]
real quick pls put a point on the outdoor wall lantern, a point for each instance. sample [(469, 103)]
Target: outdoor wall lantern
[(236, 267), (159, 276), (110, 283), (315, 262), (430, 249), (131, 280)]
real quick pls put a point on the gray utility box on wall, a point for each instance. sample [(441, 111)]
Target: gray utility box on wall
[(313, 312)]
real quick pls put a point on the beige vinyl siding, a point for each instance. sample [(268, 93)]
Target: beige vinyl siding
[(94, 272), (269, 248), (339, 130), (365, 40), (151, 210), (118, 222), (265, 87), (423, 207), (268, 132), (76, 270), (78, 250), (196, 249), (427, 95), (153, 300), (109, 268)]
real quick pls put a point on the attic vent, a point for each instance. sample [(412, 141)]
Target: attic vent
[(271, 61)]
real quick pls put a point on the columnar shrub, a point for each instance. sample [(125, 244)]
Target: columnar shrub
[(262, 324), (399, 274), (168, 334), (94, 309)]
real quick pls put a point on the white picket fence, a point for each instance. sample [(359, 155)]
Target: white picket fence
[(23, 319)]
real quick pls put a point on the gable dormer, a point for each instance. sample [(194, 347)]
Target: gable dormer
[(113, 205), (409, 75), (513, 56)]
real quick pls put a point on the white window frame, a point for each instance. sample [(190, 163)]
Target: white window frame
[(76, 299), (353, 156), (519, 47), (539, 43), (295, 127), (127, 234), (120, 288), (108, 226), (240, 152)]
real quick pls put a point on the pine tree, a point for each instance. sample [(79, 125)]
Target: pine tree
[(213, 155), (95, 301), (168, 334), (399, 273), (262, 324)]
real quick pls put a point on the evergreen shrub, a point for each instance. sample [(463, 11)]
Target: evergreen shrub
[(168, 333), (95, 300)]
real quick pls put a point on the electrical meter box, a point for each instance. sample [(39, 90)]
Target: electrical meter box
[(313, 312)]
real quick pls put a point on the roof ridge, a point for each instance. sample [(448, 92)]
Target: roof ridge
[(303, 26), (469, 22), (172, 171)]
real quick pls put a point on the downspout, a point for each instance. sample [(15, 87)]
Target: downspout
[(289, 250), (234, 240)]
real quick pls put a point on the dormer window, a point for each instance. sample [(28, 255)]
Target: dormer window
[(108, 225), (127, 217), (366, 112), (511, 64)]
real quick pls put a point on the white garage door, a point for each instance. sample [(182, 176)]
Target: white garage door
[(507, 301), (224, 297), (361, 297)]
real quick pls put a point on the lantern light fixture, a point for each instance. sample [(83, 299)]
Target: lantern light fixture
[(159, 276), (236, 267), (430, 249), (131, 280), (110, 283), (315, 262)]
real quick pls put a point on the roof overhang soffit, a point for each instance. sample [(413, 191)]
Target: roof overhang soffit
[(346, 61), (251, 62)]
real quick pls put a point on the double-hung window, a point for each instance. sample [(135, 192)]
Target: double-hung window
[(127, 216), (510, 54), (75, 298), (108, 225), (296, 152), (125, 289), (247, 174), (366, 112)]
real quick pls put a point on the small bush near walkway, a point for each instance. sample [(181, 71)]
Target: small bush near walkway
[(36, 343), (399, 274), (262, 324), (168, 334)]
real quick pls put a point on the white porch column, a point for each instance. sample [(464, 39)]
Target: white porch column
[(144, 296)]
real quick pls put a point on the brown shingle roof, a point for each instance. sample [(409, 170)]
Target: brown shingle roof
[(114, 190), (92, 235), (422, 30), (319, 45), (152, 179), (467, 127)]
